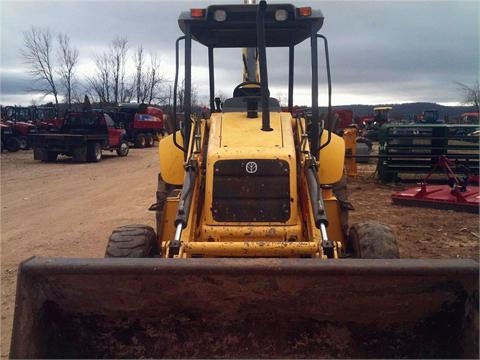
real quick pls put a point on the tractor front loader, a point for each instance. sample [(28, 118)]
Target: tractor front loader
[(252, 255)]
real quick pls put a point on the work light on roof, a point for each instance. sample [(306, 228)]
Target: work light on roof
[(305, 11), (220, 15), (281, 15), (196, 13)]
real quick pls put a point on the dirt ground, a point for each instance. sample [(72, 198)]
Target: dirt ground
[(68, 210)]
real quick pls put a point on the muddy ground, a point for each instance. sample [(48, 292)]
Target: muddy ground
[(66, 209)]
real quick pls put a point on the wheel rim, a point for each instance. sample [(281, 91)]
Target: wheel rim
[(98, 152), (123, 148), (23, 143)]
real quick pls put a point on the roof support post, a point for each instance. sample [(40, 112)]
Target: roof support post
[(291, 59), (262, 56), (211, 78), (187, 107), (314, 132)]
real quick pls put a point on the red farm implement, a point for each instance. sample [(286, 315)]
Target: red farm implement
[(458, 194)]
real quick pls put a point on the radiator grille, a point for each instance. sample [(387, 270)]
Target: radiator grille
[(254, 190)]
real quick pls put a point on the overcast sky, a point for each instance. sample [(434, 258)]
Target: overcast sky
[(380, 51)]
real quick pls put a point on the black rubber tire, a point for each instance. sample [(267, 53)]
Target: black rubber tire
[(340, 192), (373, 240), (123, 148), (80, 153), (164, 190), (140, 141), (23, 143), (149, 141), (51, 156), (366, 141), (131, 241), (94, 152), (12, 144)]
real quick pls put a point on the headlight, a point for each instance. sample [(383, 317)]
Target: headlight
[(281, 15), (220, 15)]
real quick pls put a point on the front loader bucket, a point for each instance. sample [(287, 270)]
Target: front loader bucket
[(206, 308)]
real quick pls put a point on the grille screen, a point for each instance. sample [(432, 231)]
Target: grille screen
[(251, 191)]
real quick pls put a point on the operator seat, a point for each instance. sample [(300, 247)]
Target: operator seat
[(248, 88)]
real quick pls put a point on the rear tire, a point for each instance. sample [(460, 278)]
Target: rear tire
[(80, 153), (373, 240), (94, 152), (131, 241), (123, 148), (140, 141), (149, 141), (12, 144), (23, 143), (51, 156)]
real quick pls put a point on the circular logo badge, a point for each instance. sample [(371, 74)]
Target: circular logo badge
[(251, 167)]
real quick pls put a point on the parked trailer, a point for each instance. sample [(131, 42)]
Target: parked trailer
[(408, 152), (143, 123)]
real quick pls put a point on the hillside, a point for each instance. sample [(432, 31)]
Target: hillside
[(409, 109)]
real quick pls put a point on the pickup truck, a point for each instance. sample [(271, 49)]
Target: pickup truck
[(83, 136)]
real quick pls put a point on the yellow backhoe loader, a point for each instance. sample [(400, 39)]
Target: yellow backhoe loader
[(252, 255)]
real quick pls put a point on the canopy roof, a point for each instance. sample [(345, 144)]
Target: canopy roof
[(239, 27)]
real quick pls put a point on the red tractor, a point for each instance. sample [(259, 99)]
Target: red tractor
[(46, 118), (8, 140), (19, 122)]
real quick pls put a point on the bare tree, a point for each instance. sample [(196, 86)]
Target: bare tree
[(139, 80), (38, 54), (68, 60), (181, 96), (155, 80), (167, 96), (148, 79), (118, 57), (471, 94), (100, 83)]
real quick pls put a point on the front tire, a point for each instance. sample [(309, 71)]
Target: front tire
[(123, 148), (131, 241), (373, 240)]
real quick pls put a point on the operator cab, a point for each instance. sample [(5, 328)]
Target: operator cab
[(252, 27)]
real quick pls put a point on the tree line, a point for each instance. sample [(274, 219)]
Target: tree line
[(53, 65)]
